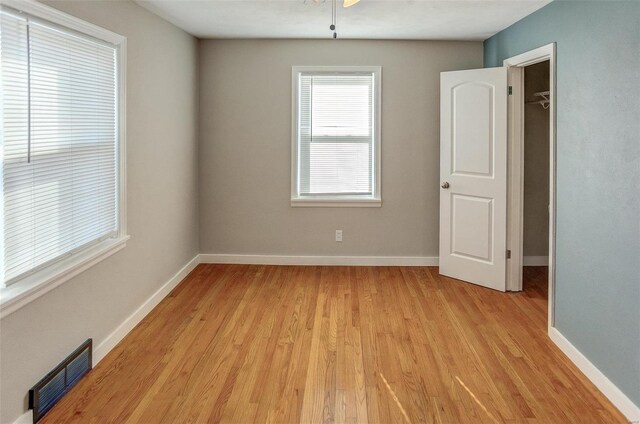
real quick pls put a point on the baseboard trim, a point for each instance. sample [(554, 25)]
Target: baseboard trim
[(610, 390), (123, 329), (535, 261), (128, 324), (138, 315), (606, 386), (26, 418), (208, 258)]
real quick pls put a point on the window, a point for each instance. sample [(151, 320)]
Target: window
[(336, 137), (62, 144)]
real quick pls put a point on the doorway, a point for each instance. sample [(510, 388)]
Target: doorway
[(482, 171), (535, 234), (531, 167)]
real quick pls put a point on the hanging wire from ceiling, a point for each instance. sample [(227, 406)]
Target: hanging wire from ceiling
[(332, 27), (334, 12)]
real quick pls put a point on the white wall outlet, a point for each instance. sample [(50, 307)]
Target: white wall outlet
[(338, 235)]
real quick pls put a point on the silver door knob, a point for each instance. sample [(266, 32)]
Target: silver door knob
[(445, 185)]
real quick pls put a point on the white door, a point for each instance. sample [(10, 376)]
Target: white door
[(473, 176)]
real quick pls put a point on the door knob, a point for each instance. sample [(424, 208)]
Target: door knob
[(445, 185)]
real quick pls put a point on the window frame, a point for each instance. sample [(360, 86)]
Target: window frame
[(375, 200), (36, 284)]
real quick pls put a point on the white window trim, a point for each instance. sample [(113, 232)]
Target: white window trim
[(337, 201), (37, 284)]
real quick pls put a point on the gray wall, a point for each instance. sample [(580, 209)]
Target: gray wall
[(245, 149), (536, 163), (162, 205), (598, 175)]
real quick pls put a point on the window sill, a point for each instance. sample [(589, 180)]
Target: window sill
[(33, 286), (335, 203)]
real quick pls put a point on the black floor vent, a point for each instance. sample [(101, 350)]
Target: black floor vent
[(54, 385)]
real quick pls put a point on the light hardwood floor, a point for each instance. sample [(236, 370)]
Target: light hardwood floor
[(243, 344)]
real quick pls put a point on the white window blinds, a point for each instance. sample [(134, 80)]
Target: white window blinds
[(59, 142), (335, 134)]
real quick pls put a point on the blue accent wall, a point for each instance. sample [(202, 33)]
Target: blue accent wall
[(598, 174)]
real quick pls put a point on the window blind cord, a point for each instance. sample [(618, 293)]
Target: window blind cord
[(311, 114), (28, 93)]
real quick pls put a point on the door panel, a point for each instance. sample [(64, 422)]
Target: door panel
[(473, 170), (472, 134), (472, 227)]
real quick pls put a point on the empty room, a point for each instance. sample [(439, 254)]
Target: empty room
[(320, 211)]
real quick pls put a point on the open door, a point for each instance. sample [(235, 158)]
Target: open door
[(473, 172)]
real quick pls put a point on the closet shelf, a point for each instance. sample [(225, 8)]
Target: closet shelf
[(544, 100)]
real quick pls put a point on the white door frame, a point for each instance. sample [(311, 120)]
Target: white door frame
[(515, 184)]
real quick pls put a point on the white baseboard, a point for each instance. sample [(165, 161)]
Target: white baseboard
[(123, 329), (26, 418), (207, 258), (606, 386), (615, 395), (535, 261)]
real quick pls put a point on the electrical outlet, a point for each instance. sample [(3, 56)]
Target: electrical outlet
[(338, 235)]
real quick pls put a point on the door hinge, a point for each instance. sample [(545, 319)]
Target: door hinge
[(510, 90), (508, 254)]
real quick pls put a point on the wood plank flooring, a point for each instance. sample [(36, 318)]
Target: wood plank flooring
[(279, 344)]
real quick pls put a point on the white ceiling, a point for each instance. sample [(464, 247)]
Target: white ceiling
[(369, 19)]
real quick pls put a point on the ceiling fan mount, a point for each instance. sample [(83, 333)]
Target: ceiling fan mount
[(345, 3)]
